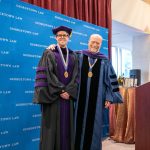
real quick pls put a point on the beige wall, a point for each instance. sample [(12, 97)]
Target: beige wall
[(135, 13), (141, 56)]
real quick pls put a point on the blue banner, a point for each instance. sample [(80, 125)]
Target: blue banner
[(25, 32)]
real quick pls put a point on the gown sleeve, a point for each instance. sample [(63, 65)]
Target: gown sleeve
[(47, 85), (112, 87)]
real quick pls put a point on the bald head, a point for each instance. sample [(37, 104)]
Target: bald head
[(95, 42)]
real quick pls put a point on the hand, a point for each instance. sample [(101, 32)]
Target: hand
[(65, 95), (107, 104), (51, 47)]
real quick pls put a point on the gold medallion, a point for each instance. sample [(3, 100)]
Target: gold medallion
[(66, 74), (90, 74)]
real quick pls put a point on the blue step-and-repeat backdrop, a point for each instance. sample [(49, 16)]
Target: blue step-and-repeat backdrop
[(25, 31)]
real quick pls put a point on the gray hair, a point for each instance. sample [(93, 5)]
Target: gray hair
[(96, 35)]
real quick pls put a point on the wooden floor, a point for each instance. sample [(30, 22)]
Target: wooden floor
[(109, 144)]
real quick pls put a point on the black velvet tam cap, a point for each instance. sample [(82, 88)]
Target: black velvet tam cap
[(62, 28)]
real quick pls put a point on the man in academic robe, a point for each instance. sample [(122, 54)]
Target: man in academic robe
[(56, 90), (98, 89)]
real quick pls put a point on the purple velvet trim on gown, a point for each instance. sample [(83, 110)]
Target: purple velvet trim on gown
[(91, 55), (64, 104), (40, 84), (41, 76), (41, 69)]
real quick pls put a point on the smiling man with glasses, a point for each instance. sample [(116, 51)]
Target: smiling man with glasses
[(56, 89)]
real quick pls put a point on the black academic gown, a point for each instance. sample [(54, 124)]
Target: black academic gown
[(93, 92), (48, 87)]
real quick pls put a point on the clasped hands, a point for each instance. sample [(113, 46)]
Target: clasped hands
[(64, 95)]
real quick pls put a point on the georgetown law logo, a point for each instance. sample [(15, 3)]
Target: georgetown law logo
[(64, 19), (29, 9), (3, 39), (9, 145), (10, 16), (24, 31)]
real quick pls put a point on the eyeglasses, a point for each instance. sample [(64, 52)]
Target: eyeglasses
[(62, 35)]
